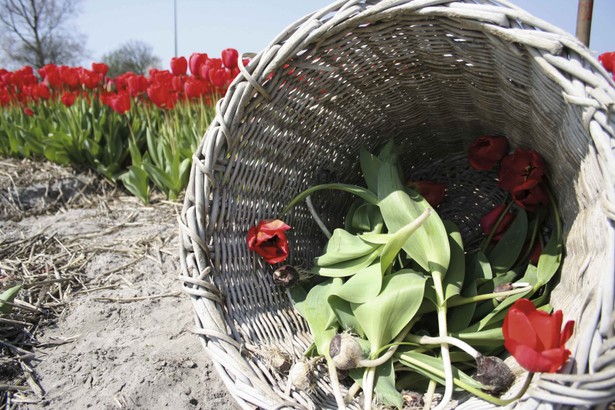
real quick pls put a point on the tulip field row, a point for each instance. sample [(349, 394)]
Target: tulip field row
[(138, 130)]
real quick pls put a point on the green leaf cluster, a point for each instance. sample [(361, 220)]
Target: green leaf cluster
[(395, 263)]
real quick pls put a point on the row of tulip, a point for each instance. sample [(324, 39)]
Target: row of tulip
[(140, 130)]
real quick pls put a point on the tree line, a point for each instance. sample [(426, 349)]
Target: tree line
[(40, 32)]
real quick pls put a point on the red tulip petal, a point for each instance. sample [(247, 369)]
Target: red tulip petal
[(273, 226), (547, 328), (557, 357), (534, 361), (567, 332), (518, 328)]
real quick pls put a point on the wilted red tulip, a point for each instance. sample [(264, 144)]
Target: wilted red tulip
[(432, 191), (487, 151), (196, 61), (68, 99), (535, 338), (530, 195), (179, 65), (230, 57), (100, 68), (519, 167), (268, 240), (488, 221)]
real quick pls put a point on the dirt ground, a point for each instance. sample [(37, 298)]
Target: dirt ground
[(101, 321)]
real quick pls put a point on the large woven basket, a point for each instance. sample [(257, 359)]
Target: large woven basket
[(432, 75)]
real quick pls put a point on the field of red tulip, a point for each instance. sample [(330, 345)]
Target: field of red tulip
[(134, 129)]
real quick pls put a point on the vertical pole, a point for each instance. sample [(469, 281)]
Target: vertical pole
[(584, 20), (175, 23)]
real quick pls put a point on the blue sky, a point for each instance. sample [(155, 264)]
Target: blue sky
[(209, 26)]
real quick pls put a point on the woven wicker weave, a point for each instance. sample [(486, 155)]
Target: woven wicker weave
[(433, 75)]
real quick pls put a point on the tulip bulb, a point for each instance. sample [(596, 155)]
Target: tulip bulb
[(345, 351), (301, 376), (494, 374)]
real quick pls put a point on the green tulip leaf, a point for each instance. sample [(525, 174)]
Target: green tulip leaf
[(383, 317), (346, 268), (363, 217), (428, 246), (342, 247), (433, 368), (550, 259), (320, 317), (8, 296), (454, 278), (507, 250), (362, 286), (344, 315), (384, 386), (399, 238), (370, 165), (460, 317)]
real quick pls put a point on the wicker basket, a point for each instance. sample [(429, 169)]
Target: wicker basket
[(433, 75)]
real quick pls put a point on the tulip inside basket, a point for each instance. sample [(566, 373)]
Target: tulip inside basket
[(404, 297)]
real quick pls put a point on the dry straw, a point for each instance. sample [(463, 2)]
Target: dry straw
[(433, 75)]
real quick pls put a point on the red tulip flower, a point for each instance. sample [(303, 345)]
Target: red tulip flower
[(100, 68), (433, 192), (179, 65), (519, 167), (28, 111), (230, 56), (607, 60), (535, 338), (487, 222), (68, 99), (161, 96), (137, 84), (530, 195), (268, 240), (487, 151), (120, 103), (196, 61)]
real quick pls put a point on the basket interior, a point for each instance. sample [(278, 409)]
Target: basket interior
[(433, 85)]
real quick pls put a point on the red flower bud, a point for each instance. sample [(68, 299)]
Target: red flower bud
[(487, 222), (120, 103), (607, 60), (100, 68), (179, 65), (230, 57), (433, 192), (487, 151), (535, 338), (196, 61), (268, 240), (28, 111), (68, 99)]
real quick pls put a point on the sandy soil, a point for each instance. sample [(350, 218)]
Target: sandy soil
[(113, 329)]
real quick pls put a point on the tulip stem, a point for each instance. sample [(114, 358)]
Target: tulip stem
[(443, 330), (321, 225), (462, 300), (471, 389), (428, 340), (335, 384)]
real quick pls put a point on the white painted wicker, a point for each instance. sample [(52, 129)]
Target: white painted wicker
[(433, 75)]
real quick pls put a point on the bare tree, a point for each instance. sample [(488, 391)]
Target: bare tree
[(134, 56), (37, 32)]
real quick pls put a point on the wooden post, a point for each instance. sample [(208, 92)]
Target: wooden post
[(584, 20)]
